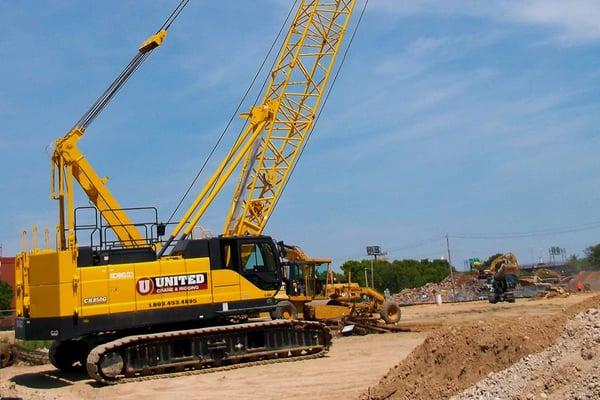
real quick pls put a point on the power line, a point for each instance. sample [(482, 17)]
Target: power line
[(436, 238), (544, 232)]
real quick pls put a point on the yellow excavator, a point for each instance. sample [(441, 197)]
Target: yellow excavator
[(311, 291), (122, 301), (503, 277)]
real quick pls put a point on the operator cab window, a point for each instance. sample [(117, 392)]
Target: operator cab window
[(257, 257)]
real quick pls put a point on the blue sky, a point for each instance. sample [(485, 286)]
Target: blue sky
[(449, 116)]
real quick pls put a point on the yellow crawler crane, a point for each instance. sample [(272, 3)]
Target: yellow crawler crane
[(312, 292), (128, 303)]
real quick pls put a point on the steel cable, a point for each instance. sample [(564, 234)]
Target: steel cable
[(335, 77), (234, 114), (100, 104)]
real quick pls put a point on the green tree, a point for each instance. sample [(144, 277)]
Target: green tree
[(578, 264), (592, 255), (6, 295), (398, 274)]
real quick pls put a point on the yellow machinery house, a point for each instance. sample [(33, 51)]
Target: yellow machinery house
[(68, 296)]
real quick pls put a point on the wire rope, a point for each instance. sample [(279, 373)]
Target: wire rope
[(234, 114)]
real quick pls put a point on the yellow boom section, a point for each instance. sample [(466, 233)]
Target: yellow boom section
[(297, 86), (68, 164), (280, 124)]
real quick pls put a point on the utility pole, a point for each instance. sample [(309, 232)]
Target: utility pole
[(450, 266), (372, 277)]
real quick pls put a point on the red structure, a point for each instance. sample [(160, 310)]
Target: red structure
[(7, 273)]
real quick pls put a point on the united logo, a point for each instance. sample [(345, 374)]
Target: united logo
[(144, 286)]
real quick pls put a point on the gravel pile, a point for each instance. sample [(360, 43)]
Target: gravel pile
[(569, 369)]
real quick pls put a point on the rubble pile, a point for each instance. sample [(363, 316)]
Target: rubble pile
[(453, 360), (466, 287), (553, 291), (7, 356), (567, 370)]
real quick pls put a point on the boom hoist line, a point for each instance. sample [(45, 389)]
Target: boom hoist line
[(235, 113), (269, 146), (69, 163)]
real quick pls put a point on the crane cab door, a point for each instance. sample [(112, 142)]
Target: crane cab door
[(224, 274), (248, 269)]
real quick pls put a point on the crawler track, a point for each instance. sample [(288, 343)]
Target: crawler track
[(203, 350)]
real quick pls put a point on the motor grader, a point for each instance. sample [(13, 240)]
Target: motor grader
[(310, 291)]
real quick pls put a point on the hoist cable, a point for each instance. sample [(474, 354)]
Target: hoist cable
[(174, 15), (234, 115), (100, 104), (335, 77)]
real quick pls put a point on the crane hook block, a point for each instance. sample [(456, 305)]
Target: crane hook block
[(153, 41)]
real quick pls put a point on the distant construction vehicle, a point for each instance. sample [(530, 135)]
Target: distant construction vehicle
[(503, 277), (313, 293)]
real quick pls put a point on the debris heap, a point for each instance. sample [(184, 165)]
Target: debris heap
[(568, 370), (466, 288)]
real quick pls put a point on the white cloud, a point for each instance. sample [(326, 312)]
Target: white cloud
[(575, 20), (425, 53), (571, 22)]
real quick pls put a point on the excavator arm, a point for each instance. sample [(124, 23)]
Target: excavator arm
[(506, 263)]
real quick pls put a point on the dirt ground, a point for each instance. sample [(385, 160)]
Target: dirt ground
[(567, 370), (428, 316), (458, 355), (353, 365)]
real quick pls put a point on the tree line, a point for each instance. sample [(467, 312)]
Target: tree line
[(395, 275), (589, 262)]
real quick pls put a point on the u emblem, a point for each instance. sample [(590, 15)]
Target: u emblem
[(144, 286)]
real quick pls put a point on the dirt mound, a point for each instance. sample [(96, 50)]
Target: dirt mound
[(566, 370), (454, 358)]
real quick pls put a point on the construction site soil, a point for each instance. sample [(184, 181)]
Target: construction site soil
[(446, 349), (454, 358)]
